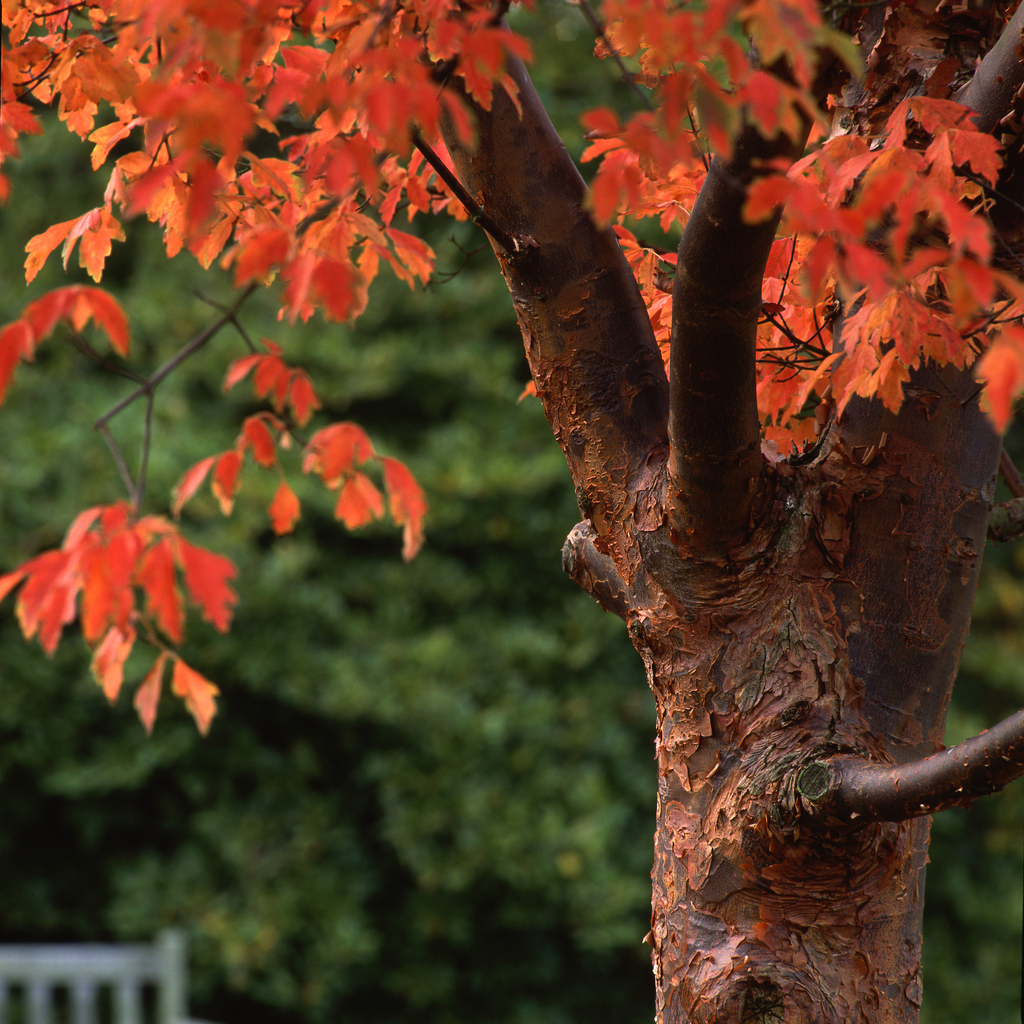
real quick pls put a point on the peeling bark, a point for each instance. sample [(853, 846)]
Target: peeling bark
[(801, 621)]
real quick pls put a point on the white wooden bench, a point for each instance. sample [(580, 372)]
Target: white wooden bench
[(32, 975)]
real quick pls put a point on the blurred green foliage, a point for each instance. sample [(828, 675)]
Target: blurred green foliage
[(429, 793)]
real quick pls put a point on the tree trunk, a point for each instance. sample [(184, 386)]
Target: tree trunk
[(791, 614)]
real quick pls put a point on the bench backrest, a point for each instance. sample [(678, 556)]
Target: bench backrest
[(84, 969)]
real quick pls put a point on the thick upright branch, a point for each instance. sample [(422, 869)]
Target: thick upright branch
[(587, 334), (994, 85), (715, 429)]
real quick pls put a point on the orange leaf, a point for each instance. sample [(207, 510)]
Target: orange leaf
[(156, 576), (261, 251), (108, 660), (332, 452), (255, 434), (16, 342), (40, 246), (189, 483), (284, 510), (225, 479), (407, 504), (1002, 370), (359, 502), (271, 375), (197, 692), (84, 223), (147, 696), (108, 137), (106, 311), (80, 526), (239, 370), (301, 395), (106, 572), (47, 601), (206, 576), (9, 581), (96, 244), (332, 281)]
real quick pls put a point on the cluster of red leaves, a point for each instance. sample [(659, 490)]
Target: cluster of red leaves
[(334, 453), (110, 556), (191, 85), (109, 560), (700, 75), (893, 227), (897, 228), (74, 306)]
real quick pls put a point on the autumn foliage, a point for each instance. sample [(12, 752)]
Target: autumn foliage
[(181, 102)]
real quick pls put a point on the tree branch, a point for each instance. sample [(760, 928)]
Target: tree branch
[(587, 334), (715, 429), (176, 360), (1000, 75), (855, 789), (1010, 474)]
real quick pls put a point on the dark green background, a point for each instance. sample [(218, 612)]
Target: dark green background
[(428, 795)]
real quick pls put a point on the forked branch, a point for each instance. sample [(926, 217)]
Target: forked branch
[(715, 430), (854, 789)]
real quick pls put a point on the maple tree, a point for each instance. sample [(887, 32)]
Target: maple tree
[(784, 435)]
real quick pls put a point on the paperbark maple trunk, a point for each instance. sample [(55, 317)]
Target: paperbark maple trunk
[(787, 612)]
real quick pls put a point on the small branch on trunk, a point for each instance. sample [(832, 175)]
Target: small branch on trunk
[(857, 790), (1000, 75), (1010, 474), (1006, 521), (594, 572), (459, 191)]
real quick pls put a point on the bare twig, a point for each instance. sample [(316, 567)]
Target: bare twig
[(87, 350), (147, 386), (232, 314), (855, 789), (122, 466), (1010, 474), (147, 433)]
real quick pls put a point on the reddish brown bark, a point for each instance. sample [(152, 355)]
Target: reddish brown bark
[(791, 615)]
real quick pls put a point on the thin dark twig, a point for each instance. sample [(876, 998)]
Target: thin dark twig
[(176, 360), (443, 277), (386, 12), (122, 466), (1010, 474), (147, 433), (476, 214), (235, 322), (30, 84), (627, 75), (87, 350)]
